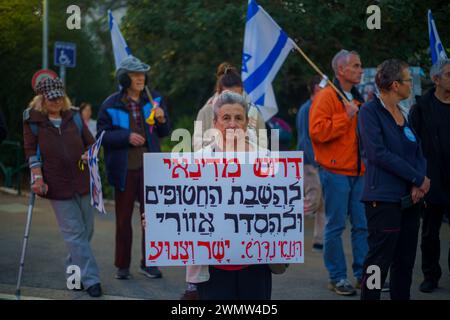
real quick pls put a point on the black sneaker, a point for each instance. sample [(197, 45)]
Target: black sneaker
[(190, 295), (317, 247), (151, 272), (81, 288), (95, 290), (428, 286), (123, 274), (342, 287)]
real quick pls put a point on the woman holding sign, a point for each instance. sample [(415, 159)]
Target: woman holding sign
[(231, 282), (55, 143)]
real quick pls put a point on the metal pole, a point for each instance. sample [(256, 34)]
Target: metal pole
[(320, 72), (25, 242), (62, 74), (45, 35)]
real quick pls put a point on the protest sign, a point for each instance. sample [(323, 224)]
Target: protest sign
[(221, 209)]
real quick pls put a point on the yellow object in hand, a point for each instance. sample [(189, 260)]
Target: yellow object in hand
[(151, 118), (81, 165)]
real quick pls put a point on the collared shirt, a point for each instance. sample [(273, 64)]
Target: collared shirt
[(135, 109)]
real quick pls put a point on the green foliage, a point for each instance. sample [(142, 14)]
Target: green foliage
[(21, 57), (184, 41)]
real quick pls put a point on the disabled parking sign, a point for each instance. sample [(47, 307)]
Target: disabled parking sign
[(65, 54)]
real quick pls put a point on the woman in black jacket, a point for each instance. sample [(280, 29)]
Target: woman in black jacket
[(395, 183)]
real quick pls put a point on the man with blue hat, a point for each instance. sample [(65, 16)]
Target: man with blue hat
[(134, 119)]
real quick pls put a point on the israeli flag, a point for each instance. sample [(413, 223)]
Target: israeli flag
[(120, 47), (94, 175), (436, 48), (266, 46)]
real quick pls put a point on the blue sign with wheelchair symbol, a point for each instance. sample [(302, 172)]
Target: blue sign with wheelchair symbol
[(65, 54)]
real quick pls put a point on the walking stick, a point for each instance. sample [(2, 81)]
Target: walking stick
[(25, 242)]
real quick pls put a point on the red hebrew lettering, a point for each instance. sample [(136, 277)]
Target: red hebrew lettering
[(258, 168), (184, 245), (235, 174), (247, 247), (297, 246), (259, 248), (168, 162), (296, 161), (284, 161), (216, 162), (198, 174), (218, 248), (281, 245), (179, 166), (158, 248), (167, 244), (205, 244), (176, 255)]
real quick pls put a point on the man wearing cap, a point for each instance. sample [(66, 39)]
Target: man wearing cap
[(132, 127)]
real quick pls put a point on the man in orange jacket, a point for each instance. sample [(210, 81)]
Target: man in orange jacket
[(333, 131)]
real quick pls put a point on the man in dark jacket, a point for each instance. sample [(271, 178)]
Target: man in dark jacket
[(3, 130), (430, 117), (132, 127)]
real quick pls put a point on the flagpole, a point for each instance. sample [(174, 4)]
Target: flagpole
[(149, 95), (320, 72)]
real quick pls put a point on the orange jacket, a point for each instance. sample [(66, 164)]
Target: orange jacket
[(333, 134)]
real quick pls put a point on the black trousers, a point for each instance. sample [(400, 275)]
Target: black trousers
[(251, 283), (393, 237), (431, 244)]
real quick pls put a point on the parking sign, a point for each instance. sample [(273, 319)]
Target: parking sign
[(65, 54)]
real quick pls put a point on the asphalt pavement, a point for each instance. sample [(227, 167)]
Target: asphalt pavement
[(44, 276)]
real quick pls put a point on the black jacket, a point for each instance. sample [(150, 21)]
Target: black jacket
[(422, 120)]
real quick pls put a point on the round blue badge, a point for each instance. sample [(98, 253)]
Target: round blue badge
[(409, 134)]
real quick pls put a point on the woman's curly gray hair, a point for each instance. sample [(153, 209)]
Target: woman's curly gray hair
[(229, 97)]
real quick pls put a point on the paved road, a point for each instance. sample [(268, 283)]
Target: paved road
[(44, 276)]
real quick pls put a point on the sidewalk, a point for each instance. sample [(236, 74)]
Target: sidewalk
[(44, 278)]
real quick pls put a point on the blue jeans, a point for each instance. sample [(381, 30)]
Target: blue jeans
[(342, 196)]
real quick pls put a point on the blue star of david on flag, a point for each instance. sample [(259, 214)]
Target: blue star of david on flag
[(266, 47), (245, 58)]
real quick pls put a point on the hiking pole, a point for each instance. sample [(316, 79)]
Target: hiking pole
[(25, 242)]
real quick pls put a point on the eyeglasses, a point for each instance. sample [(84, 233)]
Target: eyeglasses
[(405, 80)]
